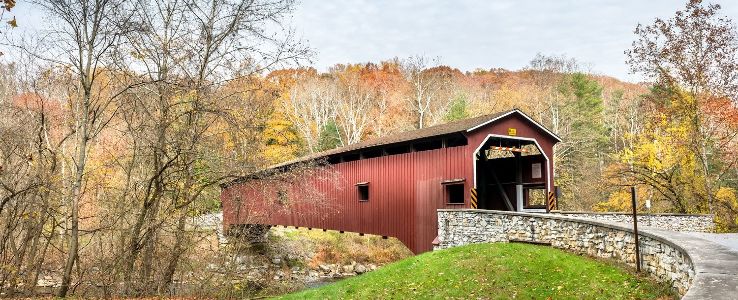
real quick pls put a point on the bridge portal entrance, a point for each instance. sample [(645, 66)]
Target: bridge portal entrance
[(511, 173)]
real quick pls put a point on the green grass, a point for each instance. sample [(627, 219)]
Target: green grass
[(493, 271)]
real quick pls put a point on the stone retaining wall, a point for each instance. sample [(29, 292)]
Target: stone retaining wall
[(664, 260), (673, 222)]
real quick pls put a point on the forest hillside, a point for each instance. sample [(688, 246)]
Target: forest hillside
[(119, 121)]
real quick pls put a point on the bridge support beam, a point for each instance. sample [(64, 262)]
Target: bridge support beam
[(254, 233)]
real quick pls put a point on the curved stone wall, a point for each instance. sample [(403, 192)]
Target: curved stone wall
[(673, 222), (664, 255)]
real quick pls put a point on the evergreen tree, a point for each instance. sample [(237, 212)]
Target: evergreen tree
[(587, 109), (458, 109), (330, 137), (585, 136)]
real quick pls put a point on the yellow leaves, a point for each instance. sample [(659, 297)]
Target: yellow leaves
[(280, 140), (727, 196), (726, 219), (13, 23), (618, 201), (666, 156), (667, 140)]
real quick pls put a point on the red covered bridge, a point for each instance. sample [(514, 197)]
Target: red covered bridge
[(392, 186)]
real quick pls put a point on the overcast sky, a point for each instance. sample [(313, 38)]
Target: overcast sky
[(469, 34)]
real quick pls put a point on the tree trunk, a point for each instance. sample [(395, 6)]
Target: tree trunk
[(177, 252), (72, 255), (706, 174)]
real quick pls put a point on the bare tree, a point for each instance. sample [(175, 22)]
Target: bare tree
[(339, 104), (193, 102), (353, 105), (548, 73), (28, 164), (84, 35), (311, 107), (424, 87)]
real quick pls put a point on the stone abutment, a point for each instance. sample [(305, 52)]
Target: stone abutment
[(695, 268)]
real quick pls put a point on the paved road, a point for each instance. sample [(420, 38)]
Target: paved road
[(729, 240)]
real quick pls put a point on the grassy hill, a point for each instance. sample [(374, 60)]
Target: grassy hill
[(496, 271)]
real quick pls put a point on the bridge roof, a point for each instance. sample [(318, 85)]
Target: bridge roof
[(466, 125)]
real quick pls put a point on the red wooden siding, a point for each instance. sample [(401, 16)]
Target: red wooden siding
[(405, 191)]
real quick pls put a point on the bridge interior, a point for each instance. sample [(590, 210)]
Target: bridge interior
[(511, 174)]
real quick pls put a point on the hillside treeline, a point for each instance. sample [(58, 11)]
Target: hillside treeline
[(615, 134), (316, 111), (119, 122)]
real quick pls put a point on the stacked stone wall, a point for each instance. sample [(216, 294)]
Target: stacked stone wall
[(673, 222), (662, 259)]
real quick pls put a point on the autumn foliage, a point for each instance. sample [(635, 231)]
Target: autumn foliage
[(109, 159)]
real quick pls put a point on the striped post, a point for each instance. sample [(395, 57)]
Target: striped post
[(551, 203), (474, 198)]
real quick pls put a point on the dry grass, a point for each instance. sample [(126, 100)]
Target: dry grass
[(332, 247)]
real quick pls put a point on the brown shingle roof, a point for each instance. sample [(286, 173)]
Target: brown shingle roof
[(427, 132)]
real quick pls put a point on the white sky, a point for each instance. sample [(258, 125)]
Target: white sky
[(471, 34)]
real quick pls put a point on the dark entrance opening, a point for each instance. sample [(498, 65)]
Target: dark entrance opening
[(511, 174)]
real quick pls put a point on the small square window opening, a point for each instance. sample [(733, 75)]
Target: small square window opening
[(455, 193), (363, 192)]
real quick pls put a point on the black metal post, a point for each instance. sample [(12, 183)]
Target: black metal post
[(635, 228)]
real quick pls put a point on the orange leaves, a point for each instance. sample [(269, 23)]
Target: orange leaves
[(721, 109), (720, 119)]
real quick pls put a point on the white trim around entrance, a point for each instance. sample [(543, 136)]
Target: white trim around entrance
[(548, 163), (524, 116)]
